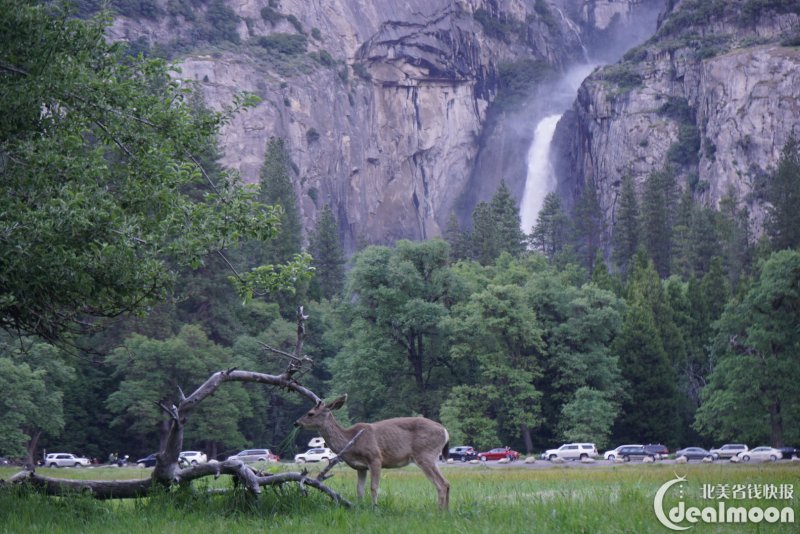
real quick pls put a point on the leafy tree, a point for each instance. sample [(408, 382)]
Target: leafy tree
[(151, 369), (579, 325), (497, 331), (551, 232), (100, 195), (588, 417), (32, 378), (326, 249), (626, 237), (754, 388), (395, 357), (782, 222), (467, 413)]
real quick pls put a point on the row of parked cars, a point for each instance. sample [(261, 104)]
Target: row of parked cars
[(654, 451)]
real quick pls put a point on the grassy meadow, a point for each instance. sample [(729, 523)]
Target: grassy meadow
[(491, 499)]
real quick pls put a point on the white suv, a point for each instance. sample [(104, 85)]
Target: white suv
[(571, 451), (193, 457), (314, 455), (65, 459)]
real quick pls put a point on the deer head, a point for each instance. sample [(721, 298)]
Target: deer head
[(317, 416)]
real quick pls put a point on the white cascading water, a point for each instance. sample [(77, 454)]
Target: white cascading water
[(541, 179)]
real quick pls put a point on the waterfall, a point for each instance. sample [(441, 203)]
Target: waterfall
[(540, 179)]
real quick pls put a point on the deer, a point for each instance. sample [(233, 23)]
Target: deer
[(384, 444)]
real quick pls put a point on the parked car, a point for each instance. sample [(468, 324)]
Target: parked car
[(634, 452), (255, 455), (728, 451), (498, 454), (693, 453), (463, 453), (613, 453), (193, 457), (314, 455), (761, 453), (788, 452), (65, 459), (147, 461), (658, 450), (571, 451)]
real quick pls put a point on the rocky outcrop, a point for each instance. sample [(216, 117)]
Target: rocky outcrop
[(384, 113), (713, 95)]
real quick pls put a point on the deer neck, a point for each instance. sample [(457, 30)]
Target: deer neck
[(335, 436)]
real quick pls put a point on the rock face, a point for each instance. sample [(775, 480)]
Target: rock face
[(385, 111), (713, 94)]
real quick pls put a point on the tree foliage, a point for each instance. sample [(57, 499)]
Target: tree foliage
[(102, 196)]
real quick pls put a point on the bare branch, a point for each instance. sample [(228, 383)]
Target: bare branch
[(338, 458)]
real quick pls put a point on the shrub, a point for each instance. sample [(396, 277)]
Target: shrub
[(501, 27), (621, 75), (312, 136), (677, 109), (685, 150), (361, 71), (296, 23), (284, 43), (270, 15), (316, 34)]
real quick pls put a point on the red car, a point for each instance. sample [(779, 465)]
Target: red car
[(498, 454)]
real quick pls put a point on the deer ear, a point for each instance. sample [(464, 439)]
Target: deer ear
[(338, 402)]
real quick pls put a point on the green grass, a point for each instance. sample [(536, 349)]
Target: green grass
[(483, 499)]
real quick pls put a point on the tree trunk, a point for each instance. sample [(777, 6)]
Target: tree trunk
[(776, 424), (526, 438), (30, 451)]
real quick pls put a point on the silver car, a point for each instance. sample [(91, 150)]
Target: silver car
[(65, 459), (254, 455)]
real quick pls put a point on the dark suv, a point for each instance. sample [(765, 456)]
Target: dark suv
[(657, 450), (634, 452), (464, 453)]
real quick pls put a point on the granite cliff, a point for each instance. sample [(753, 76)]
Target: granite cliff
[(395, 114), (713, 94)]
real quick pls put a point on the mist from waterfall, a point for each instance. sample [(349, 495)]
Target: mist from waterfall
[(540, 178)]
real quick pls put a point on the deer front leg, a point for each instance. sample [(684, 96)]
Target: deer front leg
[(375, 480), (362, 481)]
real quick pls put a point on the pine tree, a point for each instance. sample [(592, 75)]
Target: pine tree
[(658, 214), (458, 239), (626, 226), (326, 249), (496, 227), (485, 244), (277, 188), (550, 234), (782, 223), (589, 226), (682, 236), (505, 212)]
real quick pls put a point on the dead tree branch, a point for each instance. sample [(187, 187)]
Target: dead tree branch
[(168, 472)]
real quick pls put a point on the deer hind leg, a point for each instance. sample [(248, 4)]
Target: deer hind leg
[(375, 480), (435, 476), (362, 481)]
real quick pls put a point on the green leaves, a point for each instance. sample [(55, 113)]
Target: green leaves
[(103, 197)]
